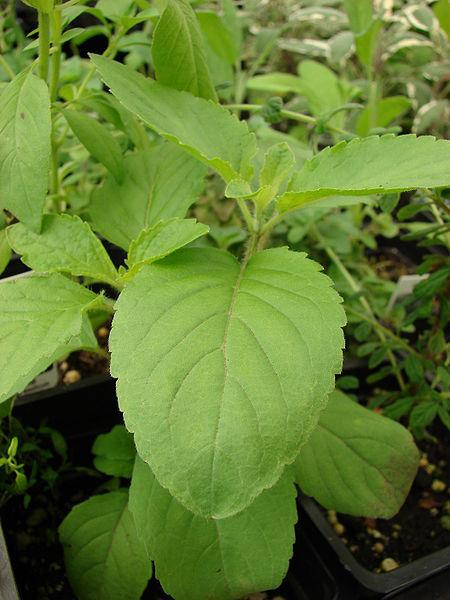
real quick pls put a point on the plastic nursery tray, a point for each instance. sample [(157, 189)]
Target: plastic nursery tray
[(386, 585)]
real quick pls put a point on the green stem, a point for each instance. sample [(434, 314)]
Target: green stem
[(363, 301), (377, 325), (289, 114), (44, 43), (54, 176), (249, 219), (109, 52), (56, 56), (373, 101)]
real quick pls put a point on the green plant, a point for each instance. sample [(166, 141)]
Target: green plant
[(225, 367)]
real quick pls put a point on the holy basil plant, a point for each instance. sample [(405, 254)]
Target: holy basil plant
[(225, 368)]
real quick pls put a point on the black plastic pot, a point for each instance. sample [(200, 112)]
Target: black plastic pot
[(8, 589), (427, 578)]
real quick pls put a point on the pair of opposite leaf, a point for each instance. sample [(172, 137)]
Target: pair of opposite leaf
[(355, 461)]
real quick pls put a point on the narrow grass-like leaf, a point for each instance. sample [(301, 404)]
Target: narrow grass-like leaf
[(25, 128), (105, 559), (192, 122), (198, 558), (373, 165), (356, 461), (222, 370)]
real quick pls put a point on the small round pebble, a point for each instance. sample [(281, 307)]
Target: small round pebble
[(63, 366), (423, 461), (389, 564), (434, 512), (103, 332), (438, 485), (378, 547), (72, 376), (339, 528), (332, 518), (375, 533)]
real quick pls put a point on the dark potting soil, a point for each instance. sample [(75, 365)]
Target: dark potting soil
[(421, 527)]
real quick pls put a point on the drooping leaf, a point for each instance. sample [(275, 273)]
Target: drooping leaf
[(114, 9), (192, 122), (215, 559), (373, 165), (159, 184), (162, 239), (66, 244), (219, 37), (25, 128), (388, 109), (114, 452), (356, 461), (105, 559), (98, 140), (178, 52), (39, 315), (222, 372)]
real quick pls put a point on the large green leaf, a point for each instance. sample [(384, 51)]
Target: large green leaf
[(373, 165), (25, 129), (357, 461), (66, 244), (204, 129), (161, 240), (159, 184), (114, 452), (105, 559), (198, 558), (98, 140), (222, 371), (38, 316), (178, 52)]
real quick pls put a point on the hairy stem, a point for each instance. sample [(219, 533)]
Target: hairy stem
[(294, 116), (44, 43), (56, 56)]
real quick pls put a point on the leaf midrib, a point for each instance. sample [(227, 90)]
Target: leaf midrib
[(233, 300)]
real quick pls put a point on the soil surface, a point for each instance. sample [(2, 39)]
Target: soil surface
[(81, 364), (421, 527)]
